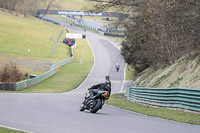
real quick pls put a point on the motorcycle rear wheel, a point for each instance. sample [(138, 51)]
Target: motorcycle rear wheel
[(97, 107)]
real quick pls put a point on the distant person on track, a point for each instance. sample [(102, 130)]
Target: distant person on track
[(117, 66), (100, 87)]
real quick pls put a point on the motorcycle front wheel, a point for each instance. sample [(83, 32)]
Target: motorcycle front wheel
[(97, 106), (82, 107)]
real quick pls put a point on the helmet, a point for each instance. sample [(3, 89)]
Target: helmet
[(108, 83), (107, 77)]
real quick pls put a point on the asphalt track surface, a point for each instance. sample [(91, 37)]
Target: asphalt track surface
[(59, 113)]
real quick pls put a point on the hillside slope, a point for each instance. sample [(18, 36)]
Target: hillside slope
[(184, 73), (29, 42)]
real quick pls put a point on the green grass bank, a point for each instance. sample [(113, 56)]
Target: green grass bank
[(69, 76), (6, 130), (29, 43), (17, 35), (119, 100)]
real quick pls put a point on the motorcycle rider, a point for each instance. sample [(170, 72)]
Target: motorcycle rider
[(117, 66), (100, 87)]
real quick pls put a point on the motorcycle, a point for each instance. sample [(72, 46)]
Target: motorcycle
[(96, 103), (117, 69)]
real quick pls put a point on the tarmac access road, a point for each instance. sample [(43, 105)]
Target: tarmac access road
[(59, 113)]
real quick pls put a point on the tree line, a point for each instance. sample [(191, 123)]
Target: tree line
[(26, 7), (157, 31)]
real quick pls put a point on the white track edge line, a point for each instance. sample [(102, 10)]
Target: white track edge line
[(124, 79), (140, 114), (15, 129), (122, 86), (92, 66)]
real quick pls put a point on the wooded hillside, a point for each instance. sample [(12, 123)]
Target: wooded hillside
[(158, 32)]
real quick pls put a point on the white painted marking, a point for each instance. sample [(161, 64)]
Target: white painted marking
[(124, 78), (91, 69), (82, 55), (15, 129)]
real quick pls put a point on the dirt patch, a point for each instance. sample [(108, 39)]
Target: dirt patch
[(30, 65)]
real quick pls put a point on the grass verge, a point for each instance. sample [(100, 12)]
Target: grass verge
[(119, 100), (69, 76), (6, 130), (29, 43)]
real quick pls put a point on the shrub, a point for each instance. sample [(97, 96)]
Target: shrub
[(10, 73)]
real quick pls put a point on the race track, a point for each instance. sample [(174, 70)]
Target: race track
[(59, 113)]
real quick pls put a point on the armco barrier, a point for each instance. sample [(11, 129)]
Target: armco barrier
[(92, 28), (185, 98), (113, 35), (8, 86), (30, 82), (53, 69), (61, 63)]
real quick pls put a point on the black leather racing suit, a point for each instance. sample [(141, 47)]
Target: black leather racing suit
[(102, 87)]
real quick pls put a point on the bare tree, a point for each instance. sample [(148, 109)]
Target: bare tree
[(48, 6), (10, 73), (26, 7), (122, 5), (158, 32)]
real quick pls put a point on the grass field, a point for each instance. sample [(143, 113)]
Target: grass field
[(17, 35), (119, 100), (70, 75)]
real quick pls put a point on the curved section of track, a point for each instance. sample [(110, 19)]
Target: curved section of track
[(59, 113)]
